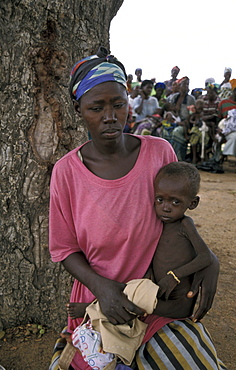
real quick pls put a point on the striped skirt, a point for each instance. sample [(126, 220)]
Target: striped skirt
[(179, 345)]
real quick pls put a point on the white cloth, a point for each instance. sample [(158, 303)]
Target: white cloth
[(150, 105), (99, 340), (230, 145), (89, 342)]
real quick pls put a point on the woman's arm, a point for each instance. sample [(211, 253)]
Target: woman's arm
[(113, 302), (206, 280)]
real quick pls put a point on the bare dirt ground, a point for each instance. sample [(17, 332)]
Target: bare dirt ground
[(215, 218)]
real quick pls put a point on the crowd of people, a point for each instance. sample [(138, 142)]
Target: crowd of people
[(196, 124)]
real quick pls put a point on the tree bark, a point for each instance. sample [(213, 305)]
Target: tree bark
[(40, 42)]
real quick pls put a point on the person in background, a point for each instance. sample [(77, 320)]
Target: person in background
[(197, 93), (145, 105), (174, 73), (210, 109), (229, 103), (134, 93), (169, 123), (180, 135), (175, 90), (160, 93), (227, 125), (129, 83), (225, 86), (94, 222), (150, 125), (199, 136), (208, 81), (154, 83), (138, 73)]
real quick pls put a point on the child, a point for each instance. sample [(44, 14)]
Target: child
[(181, 251), (169, 123)]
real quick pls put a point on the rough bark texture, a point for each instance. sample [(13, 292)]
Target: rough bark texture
[(40, 41)]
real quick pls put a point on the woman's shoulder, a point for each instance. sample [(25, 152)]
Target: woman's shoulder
[(156, 147), (153, 140), (69, 158)]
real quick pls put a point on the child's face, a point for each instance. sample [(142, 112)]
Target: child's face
[(169, 118), (199, 107), (172, 198)]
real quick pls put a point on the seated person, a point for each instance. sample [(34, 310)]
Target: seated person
[(180, 135), (180, 253), (225, 106), (144, 104), (199, 131), (169, 123), (160, 93)]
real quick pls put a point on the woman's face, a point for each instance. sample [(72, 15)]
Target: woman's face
[(104, 110), (184, 86), (211, 94)]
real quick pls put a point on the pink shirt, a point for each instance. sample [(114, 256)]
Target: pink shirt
[(113, 222)]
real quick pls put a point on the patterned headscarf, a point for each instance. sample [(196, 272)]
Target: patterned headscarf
[(94, 70), (215, 87)]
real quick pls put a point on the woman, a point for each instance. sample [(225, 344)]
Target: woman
[(227, 109), (103, 225)]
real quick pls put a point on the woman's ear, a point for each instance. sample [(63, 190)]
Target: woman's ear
[(194, 203), (77, 108)]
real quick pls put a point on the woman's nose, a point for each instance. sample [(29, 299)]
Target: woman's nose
[(109, 116)]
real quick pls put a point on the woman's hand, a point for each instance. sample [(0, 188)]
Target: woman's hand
[(206, 279), (115, 304)]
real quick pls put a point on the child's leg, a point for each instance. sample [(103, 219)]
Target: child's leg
[(76, 310)]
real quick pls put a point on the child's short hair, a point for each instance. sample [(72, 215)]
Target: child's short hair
[(186, 171)]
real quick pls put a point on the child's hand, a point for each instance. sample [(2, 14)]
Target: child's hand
[(166, 285)]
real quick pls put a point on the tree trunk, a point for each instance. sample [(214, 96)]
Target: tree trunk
[(40, 41)]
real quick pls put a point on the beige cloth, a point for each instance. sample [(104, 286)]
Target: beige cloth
[(124, 340)]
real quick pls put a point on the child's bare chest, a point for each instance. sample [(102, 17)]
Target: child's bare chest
[(174, 250)]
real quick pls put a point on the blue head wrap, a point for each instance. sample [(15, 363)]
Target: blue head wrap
[(94, 70), (160, 85)]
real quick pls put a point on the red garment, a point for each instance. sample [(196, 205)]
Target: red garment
[(113, 222), (224, 106)]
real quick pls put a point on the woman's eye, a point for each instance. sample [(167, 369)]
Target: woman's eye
[(119, 105), (96, 109), (158, 199)]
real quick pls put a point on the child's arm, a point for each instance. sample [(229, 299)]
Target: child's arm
[(203, 259)]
